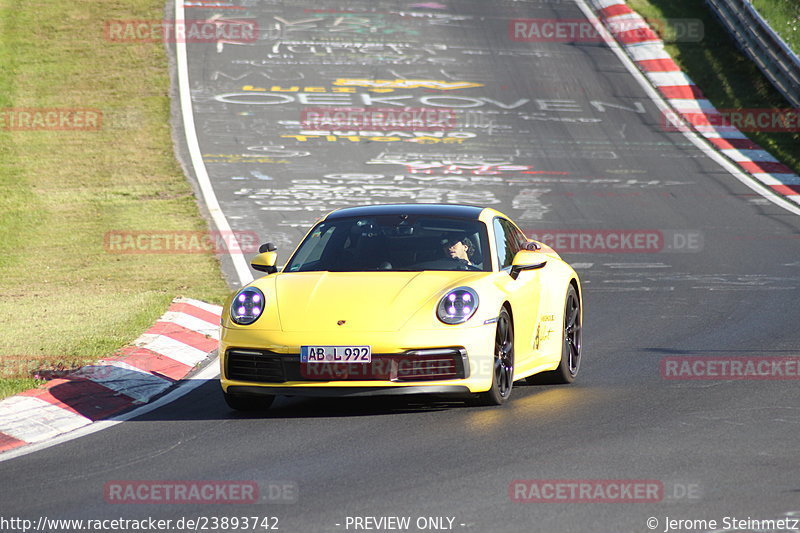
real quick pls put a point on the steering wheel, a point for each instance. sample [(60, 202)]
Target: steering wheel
[(463, 264)]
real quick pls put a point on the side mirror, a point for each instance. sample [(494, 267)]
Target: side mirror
[(526, 259), (266, 259)]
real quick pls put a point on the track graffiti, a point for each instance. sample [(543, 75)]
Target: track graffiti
[(429, 137), (345, 97), (308, 195), (346, 23)]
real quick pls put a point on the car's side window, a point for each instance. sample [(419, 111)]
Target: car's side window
[(508, 241), (522, 240)]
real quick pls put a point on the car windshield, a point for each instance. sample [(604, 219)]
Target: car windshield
[(393, 243)]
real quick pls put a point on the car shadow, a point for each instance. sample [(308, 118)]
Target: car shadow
[(206, 403)]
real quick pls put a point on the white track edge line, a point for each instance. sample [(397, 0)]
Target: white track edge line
[(210, 198), (182, 388), (236, 255), (691, 135)]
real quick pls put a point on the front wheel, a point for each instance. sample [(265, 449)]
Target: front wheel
[(503, 374), (571, 346), (240, 402)]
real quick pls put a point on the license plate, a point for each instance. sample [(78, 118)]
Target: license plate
[(335, 354)]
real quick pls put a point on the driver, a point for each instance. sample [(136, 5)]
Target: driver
[(459, 248)]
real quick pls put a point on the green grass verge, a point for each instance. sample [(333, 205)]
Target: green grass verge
[(64, 300), (784, 17), (726, 77)]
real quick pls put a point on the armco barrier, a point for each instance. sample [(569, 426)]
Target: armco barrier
[(762, 44)]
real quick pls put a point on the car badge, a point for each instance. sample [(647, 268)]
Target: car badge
[(340, 322)]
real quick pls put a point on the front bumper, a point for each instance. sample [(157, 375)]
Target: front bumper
[(346, 392), (263, 366), (454, 360)]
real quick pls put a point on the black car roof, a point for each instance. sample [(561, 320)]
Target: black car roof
[(443, 210)]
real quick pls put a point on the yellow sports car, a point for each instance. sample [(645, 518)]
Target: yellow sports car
[(403, 299)]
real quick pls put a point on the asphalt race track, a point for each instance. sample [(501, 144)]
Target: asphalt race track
[(559, 136)]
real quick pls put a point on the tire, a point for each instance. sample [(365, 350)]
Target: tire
[(240, 402), (571, 345), (503, 367)]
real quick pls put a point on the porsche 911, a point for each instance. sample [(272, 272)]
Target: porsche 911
[(403, 299)]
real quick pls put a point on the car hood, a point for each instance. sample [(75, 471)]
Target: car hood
[(366, 301)]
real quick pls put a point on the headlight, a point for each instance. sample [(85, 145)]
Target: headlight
[(457, 306), (247, 306)]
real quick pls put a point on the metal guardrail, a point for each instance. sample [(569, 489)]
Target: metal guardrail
[(762, 44)]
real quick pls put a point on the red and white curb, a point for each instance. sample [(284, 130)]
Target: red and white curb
[(647, 51), (182, 338)]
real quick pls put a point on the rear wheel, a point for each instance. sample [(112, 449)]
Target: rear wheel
[(571, 346), (503, 374), (241, 402)]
